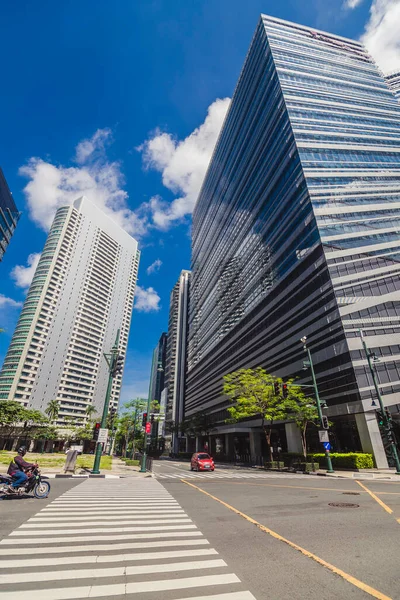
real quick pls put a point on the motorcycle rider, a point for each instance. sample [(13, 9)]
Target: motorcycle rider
[(17, 469)]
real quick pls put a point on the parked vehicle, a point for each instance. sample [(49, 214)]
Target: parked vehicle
[(34, 483), (201, 461)]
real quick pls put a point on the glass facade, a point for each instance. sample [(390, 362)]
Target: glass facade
[(297, 227), (393, 81), (9, 215)]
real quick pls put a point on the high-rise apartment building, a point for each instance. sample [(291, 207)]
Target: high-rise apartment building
[(176, 359), (393, 81), (9, 215), (81, 294), (297, 232)]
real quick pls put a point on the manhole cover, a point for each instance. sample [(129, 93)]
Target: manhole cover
[(351, 493), (343, 505)]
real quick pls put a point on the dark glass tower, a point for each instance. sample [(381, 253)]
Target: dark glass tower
[(297, 232), (9, 215)]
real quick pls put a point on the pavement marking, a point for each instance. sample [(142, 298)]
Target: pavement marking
[(139, 587), (106, 516), (346, 576), (302, 487), (194, 565), (71, 560), (71, 523), (229, 596), (378, 500), (104, 547), (85, 538), (90, 531)]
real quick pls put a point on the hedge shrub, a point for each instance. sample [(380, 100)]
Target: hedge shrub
[(349, 460)]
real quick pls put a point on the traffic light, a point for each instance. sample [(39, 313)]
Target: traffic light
[(276, 388), (285, 390), (381, 418), (388, 415), (144, 419), (325, 422), (152, 419), (96, 430), (118, 364)]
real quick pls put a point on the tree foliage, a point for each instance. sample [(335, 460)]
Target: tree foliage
[(253, 394), (52, 410), (304, 413)]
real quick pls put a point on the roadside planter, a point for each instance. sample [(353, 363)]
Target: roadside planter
[(275, 464), (306, 467)]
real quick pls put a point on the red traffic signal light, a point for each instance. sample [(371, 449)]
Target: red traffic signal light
[(144, 419), (285, 390), (96, 430), (148, 427)]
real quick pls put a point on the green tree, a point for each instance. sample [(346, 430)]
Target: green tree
[(305, 413), (253, 393), (52, 410), (90, 411)]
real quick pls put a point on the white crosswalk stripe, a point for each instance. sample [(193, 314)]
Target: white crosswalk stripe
[(114, 538), (225, 475)]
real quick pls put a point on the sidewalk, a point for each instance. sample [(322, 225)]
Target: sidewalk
[(118, 470), (376, 474)]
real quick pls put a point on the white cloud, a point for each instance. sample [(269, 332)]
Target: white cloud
[(52, 186), (22, 275), (154, 267), (352, 3), (4, 301), (146, 300), (86, 148), (183, 164), (382, 34)]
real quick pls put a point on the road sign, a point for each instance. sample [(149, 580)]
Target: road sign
[(327, 445), (323, 435), (103, 435), (148, 427)]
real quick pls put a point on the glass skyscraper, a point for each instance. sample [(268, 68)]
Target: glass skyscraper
[(9, 215), (297, 232)]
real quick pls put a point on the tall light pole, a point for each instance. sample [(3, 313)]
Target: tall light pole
[(144, 457), (387, 425), (323, 421), (114, 361)]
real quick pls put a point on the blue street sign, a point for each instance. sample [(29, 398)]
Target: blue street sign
[(327, 445)]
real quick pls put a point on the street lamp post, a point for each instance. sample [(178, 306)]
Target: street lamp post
[(144, 457), (386, 421), (318, 400), (112, 361)]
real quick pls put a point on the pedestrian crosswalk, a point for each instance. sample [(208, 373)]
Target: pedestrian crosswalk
[(225, 474), (108, 538)]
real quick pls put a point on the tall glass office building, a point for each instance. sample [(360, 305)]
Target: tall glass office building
[(297, 232), (9, 215)]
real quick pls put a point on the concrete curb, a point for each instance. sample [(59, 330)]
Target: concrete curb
[(89, 476)]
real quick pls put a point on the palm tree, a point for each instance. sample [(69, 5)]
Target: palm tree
[(89, 412), (52, 410)]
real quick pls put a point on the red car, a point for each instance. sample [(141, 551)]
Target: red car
[(201, 461)]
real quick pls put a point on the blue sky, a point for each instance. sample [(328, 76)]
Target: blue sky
[(124, 101)]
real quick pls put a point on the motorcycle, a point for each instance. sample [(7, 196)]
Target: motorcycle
[(40, 488)]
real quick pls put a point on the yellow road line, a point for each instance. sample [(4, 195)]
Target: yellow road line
[(295, 487), (349, 578), (378, 500)]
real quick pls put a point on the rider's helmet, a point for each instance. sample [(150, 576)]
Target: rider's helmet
[(22, 450)]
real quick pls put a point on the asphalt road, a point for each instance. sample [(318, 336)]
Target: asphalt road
[(361, 541), (147, 538), (15, 511)]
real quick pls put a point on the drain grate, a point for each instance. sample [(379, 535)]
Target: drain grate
[(343, 505), (351, 494)]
